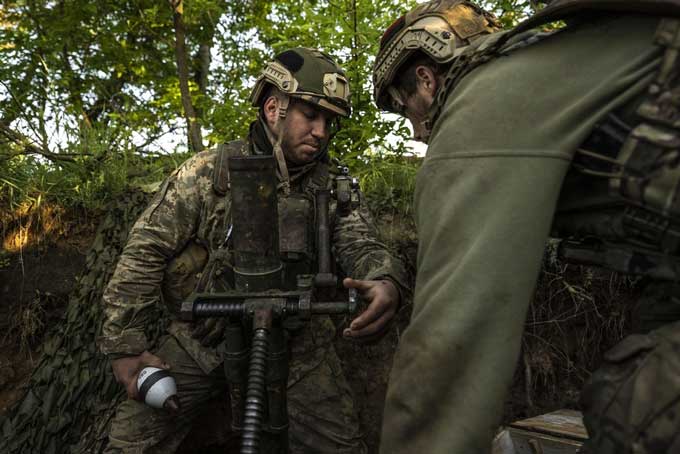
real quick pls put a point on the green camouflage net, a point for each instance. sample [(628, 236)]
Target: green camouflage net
[(72, 395)]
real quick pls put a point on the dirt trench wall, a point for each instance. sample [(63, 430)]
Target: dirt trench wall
[(71, 386)]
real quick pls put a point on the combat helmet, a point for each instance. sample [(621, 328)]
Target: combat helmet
[(437, 29), (307, 74)]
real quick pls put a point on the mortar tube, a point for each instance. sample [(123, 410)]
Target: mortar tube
[(255, 220)]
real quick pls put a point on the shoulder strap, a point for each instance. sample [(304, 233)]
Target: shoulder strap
[(221, 174)]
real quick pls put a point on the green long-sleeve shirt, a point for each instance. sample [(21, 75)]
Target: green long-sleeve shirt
[(485, 199)]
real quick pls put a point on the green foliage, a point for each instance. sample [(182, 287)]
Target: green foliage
[(508, 12), (89, 92), (388, 182), (73, 64), (511, 12), (84, 183)]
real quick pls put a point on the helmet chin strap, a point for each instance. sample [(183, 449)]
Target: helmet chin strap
[(427, 128), (276, 143), (432, 111)]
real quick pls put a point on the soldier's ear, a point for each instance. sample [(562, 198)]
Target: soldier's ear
[(270, 110), (426, 79)]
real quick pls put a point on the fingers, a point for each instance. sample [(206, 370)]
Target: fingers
[(149, 359), (370, 329), (374, 319), (383, 299), (358, 284), (132, 391), (372, 313), (126, 370)]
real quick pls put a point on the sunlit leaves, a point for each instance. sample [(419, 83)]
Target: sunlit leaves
[(73, 72)]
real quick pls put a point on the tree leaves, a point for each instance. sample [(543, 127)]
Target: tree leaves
[(77, 75)]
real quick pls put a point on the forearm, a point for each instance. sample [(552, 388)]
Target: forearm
[(479, 256), (132, 297), (361, 255)]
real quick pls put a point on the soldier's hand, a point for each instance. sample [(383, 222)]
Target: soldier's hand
[(127, 369), (383, 302), (209, 331)]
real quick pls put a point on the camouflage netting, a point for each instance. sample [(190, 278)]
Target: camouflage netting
[(71, 395)]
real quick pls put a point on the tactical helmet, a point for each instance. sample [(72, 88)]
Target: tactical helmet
[(306, 74), (438, 29)]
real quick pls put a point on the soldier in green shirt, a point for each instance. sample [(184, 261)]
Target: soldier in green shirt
[(181, 243), (574, 129)]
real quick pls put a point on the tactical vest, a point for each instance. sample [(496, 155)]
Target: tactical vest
[(628, 170)]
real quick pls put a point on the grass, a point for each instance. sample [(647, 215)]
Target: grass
[(388, 183), (26, 323), (33, 191), (577, 314)]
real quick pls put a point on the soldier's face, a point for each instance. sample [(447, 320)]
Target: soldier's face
[(305, 131), (416, 108)]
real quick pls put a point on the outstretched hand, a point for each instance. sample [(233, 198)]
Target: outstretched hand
[(383, 301), (127, 369)]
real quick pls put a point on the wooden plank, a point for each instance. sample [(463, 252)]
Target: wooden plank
[(566, 423), (525, 442)]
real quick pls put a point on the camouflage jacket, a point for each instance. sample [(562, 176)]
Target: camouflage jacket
[(186, 211)]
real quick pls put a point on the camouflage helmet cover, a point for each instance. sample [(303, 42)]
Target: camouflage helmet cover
[(307, 74), (437, 28)]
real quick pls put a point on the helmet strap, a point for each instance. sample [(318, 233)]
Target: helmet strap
[(276, 144), (283, 168), (427, 127), (284, 102)]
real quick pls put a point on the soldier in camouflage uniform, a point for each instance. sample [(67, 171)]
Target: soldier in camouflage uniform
[(575, 129), (181, 243)]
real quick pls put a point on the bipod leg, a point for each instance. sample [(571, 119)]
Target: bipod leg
[(257, 386), (277, 388), (236, 370)]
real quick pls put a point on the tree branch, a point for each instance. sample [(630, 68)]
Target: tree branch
[(151, 139), (194, 129), (27, 146)]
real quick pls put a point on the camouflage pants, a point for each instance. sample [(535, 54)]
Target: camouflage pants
[(321, 411)]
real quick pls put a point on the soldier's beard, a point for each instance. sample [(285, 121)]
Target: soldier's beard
[(301, 152)]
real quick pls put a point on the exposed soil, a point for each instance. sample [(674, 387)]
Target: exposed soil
[(43, 254), (34, 288)]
